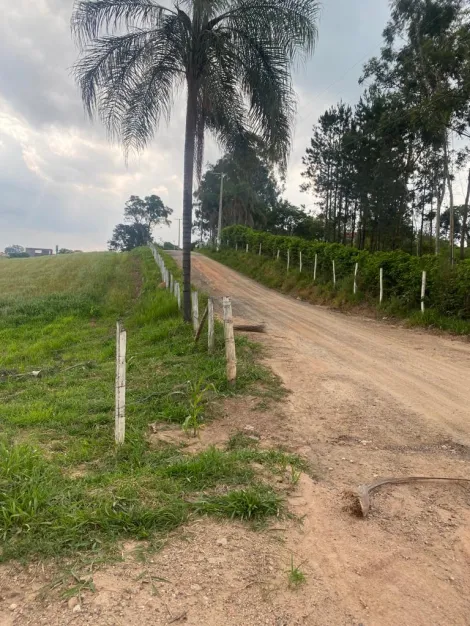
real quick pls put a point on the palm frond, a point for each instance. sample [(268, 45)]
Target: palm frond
[(289, 23), (150, 99), (90, 17), (130, 79)]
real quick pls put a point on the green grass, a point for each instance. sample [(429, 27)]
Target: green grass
[(272, 273), (64, 486)]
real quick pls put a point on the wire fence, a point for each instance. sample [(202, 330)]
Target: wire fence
[(319, 270)]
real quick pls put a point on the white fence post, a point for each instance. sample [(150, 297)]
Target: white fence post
[(423, 291), (210, 324), (195, 300), (120, 408), (381, 284), (315, 268), (334, 274), (278, 253), (247, 248), (356, 269), (300, 261), (288, 259), (230, 352)]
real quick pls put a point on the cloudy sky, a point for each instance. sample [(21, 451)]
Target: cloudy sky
[(62, 182)]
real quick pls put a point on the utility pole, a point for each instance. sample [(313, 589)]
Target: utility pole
[(219, 230)]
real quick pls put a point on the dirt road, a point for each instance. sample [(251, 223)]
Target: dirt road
[(369, 399)]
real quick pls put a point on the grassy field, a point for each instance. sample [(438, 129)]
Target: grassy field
[(64, 486), (273, 274)]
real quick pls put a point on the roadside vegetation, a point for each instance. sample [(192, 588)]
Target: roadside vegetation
[(447, 299), (64, 486)]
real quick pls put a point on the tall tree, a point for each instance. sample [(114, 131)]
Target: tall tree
[(235, 57), (464, 236), (250, 191), (426, 58), (141, 216), (381, 172)]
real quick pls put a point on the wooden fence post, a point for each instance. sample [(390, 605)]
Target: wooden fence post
[(423, 291), (356, 269), (210, 324), (120, 408), (300, 261), (230, 352), (315, 268), (381, 284), (259, 249), (178, 295), (247, 247), (334, 274), (195, 300), (288, 259), (201, 324)]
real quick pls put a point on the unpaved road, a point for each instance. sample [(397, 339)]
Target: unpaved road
[(369, 399)]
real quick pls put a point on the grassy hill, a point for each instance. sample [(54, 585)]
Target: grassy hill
[(64, 486)]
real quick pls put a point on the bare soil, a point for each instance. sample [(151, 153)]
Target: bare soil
[(367, 400)]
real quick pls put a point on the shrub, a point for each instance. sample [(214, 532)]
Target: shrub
[(448, 288)]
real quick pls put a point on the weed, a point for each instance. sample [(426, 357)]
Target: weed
[(241, 441), (295, 475), (295, 575), (198, 394), (81, 584)]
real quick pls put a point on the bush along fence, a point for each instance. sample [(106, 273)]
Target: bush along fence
[(413, 282)]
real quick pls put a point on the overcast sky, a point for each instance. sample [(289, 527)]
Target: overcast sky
[(62, 182)]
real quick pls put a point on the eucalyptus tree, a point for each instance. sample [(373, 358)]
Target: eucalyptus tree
[(426, 58), (233, 56)]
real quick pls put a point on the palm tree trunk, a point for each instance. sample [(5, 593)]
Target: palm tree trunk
[(189, 146)]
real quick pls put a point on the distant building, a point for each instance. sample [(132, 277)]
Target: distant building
[(38, 251)]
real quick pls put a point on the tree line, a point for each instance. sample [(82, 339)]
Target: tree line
[(383, 170)]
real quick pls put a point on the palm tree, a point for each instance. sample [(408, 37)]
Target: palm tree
[(234, 56)]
